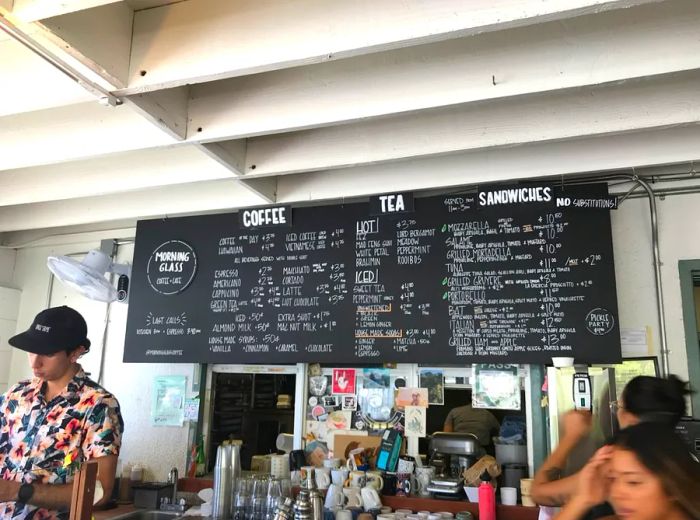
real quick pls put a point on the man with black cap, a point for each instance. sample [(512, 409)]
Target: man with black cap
[(51, 424)]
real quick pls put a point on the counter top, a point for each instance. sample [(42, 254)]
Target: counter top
[(413, 503), (193, 485), (113, 513), (455, 506)]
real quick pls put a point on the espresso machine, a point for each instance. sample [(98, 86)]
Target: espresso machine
[(451, 454)]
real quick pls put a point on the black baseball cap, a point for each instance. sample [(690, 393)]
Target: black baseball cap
[(53, 330)]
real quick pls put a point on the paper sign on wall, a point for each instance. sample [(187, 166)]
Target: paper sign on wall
[(496, 386), (636, 342), (415, 421), (191, 409), (168, 403), (407, 396)]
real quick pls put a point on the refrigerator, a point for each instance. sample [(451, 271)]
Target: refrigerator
[(564, 388)]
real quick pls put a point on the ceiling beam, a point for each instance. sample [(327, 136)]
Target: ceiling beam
[(33, 10), (167, 109), (617, 108), (638, 149), (116, 173), (89, 130), (265, 188), (595, 154), (73, 132), (253, 36), (589, 50), (159, 202), (24, 77), (113, 36), (229, 154), (99, 39)]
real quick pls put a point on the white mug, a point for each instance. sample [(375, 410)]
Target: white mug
[(323, 478), (333, 463), (335, 499), (375, 480), (339, 476), (424, 475), (353, 497), (405, 466), (370, 498), (343, 514), (357, 479)]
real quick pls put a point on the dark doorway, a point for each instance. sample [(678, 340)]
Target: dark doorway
[(245, 408)]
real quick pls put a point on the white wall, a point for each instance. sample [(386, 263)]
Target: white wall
[(9, 304), (156, 448), (696, 299), (7, 266), (679, 229)]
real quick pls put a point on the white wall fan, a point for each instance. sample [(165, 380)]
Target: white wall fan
[(88, 277)]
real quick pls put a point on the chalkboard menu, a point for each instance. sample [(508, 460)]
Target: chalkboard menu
[(506, 275)]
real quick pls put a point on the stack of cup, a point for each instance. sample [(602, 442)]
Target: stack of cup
[(525, 489), (223, 482), (279, 466), (509, 496)]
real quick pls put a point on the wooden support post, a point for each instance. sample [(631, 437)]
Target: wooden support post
[(83, 492)]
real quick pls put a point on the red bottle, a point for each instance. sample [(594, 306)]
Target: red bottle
[(487, 498)]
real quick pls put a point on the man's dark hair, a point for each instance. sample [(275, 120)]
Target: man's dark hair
[(69, 351)]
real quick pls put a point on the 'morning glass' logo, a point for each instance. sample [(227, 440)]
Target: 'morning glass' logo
[(171, 267)]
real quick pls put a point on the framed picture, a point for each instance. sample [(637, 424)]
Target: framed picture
[(432, 379), (496, 386)]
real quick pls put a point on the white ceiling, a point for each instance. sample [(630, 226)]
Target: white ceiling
[(231, 103)]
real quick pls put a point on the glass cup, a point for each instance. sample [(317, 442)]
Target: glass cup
[(274, 497), (286, 486), (242, 499), (259, 497)]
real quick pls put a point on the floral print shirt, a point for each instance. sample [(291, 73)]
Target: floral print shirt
[(38, 438)]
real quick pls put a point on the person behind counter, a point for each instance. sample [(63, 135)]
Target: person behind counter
[(646, 474), (644, 399), (51, 424), (466, 419)]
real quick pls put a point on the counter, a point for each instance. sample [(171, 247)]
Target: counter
[(113, 513), (454, 506), (192, 485)]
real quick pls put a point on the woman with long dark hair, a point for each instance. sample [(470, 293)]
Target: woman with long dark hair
[(644, 399), (647, 473)]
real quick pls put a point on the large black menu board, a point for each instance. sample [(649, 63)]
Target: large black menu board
[(506, 275)]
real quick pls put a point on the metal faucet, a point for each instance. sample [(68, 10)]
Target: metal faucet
[(171, 504), (172, 479)]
